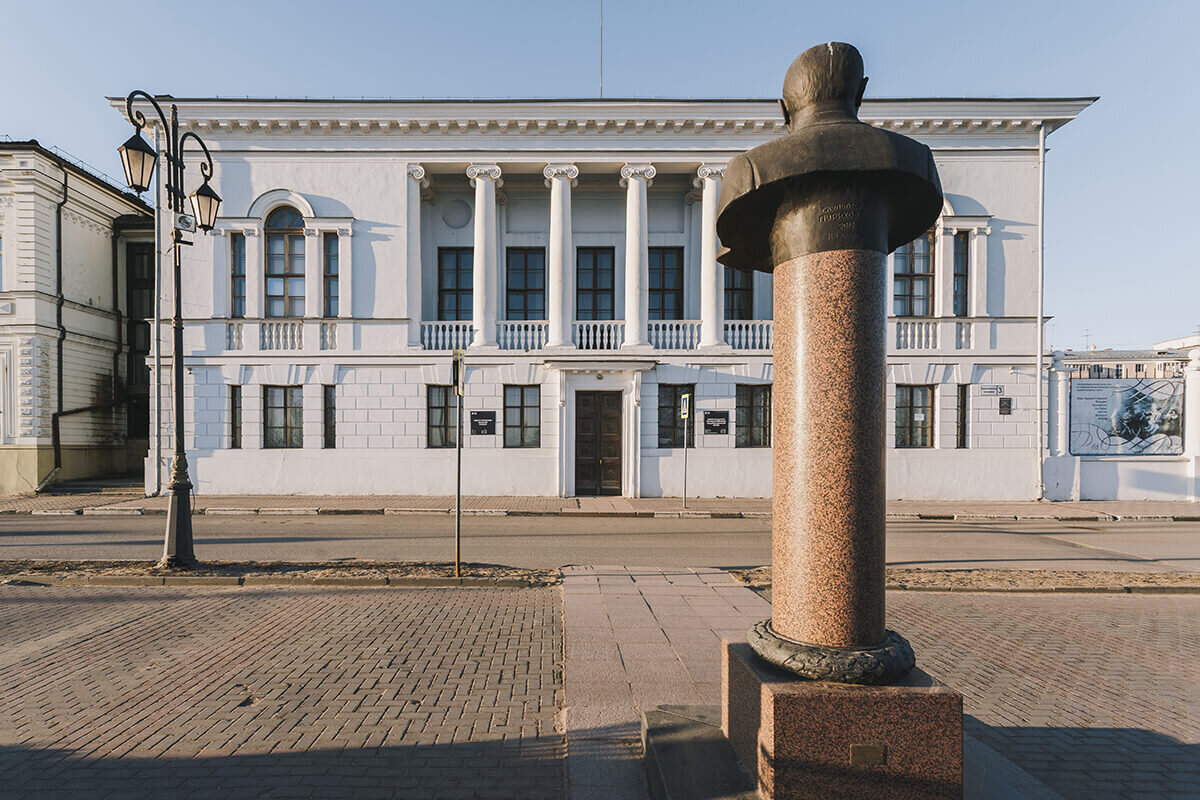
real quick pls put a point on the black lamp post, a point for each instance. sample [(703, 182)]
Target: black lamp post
[(139, 158)]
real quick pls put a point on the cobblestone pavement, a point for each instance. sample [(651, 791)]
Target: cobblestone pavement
[(1097, 696), (304, 692)]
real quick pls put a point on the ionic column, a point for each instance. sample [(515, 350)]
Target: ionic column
[(313, 269), (485, 178), (345, 273), (560, 178), (712, 274), (943, 271), (412, 262), (978, 278), (636, 178)]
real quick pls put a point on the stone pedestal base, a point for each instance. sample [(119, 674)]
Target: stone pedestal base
[(811, 739)]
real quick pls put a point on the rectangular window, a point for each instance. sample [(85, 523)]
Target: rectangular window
[(235, 417), (753, 415), (594, 276), (739, 294), (455, 273), (329, 416), (962, 267), (442, 423), (237, 275), (913, 287), (526, 289), (283, 416), (330, 274), (285, 275), (670, 427), (914, 416), (964, 411), (522, 416), (666, 283)]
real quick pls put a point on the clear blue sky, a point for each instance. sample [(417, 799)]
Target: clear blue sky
[(1121, 179)]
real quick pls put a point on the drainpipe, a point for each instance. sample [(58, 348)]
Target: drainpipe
[(1041, 321)]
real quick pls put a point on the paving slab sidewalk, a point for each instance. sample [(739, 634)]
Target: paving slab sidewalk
[(118, 504)]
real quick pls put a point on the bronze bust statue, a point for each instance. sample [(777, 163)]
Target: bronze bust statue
[(863, 187)]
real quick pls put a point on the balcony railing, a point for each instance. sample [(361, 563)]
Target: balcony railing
[(919, 334), (598, 334), (674, 334), (750, 334), (522, 334), (281, 335), (446, 335)]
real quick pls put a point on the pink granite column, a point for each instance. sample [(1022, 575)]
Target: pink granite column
[(829, 401)]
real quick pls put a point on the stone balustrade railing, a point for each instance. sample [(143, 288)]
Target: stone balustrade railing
[(598, 334), (674, 334), (281, 334), (750, 334), (522, 334), (444, 335)]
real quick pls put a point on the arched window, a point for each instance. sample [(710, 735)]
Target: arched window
[(285, 263)]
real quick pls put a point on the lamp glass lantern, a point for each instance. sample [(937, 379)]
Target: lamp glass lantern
[(138, 158), (205, 203)]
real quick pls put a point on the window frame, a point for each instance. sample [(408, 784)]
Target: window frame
[(739, 299), (658, 273), (595, 292), (460, 294), (904, 277), (235, 417), (524, 293), (520, 421), (293, 417), (448, 429), (330, 257), (749, 432), (329, 416), (962, 427), (961, 305), (905, 418), (237, 275), (672, 430), (290, 236)]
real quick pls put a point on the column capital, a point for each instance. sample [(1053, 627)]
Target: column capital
[(644, 171), (711, 171), (417, 173), (490, 171), (569, 171)]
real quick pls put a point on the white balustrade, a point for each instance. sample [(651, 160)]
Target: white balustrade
[(674, 334), (233, 336), (598, 334), (963, 334), (444, 335), (329, 336), (750, 334), (522, 334), (281, 335), (921, 334)]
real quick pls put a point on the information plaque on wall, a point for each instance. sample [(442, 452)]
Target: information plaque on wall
[(716, 422), (483, 423)]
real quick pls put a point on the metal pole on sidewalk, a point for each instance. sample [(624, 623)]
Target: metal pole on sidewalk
[(459, 384), (684, 413)]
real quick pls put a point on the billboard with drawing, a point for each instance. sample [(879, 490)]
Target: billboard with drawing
[(1126, 416)]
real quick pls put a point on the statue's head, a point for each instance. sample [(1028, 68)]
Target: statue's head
[(825, 78)]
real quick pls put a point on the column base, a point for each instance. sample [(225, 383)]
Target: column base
[(884, 663), (565, 347), (637, 348), (804, 739), (485, 347), (719, 348)]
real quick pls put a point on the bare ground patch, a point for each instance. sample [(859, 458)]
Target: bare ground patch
[(1007, 579)]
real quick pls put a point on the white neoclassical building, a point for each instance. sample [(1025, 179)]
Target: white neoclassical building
[(569, 247)]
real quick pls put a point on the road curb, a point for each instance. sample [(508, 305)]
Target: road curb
[(358, 582)]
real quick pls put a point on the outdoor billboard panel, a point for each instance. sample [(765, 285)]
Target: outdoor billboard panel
[(1126, 416)]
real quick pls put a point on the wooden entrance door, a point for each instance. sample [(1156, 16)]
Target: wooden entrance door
[(598, 443)]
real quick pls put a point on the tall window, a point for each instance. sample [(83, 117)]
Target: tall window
[(442, 423), (671, 429), (666, 283), (594, 267), (235, 417), (913, 289), (526, 298), (329, 416), (753, 415), (455, 272), (283, 423), (962, 267), (237, 275), (964, 410), (522, 416), (914, 416), (285, 263), (739, 294), (330, 274)]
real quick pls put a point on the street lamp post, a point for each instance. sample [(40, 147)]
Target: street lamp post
[(139, 159)]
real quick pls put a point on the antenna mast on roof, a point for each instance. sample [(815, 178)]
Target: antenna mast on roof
[(601, 48)]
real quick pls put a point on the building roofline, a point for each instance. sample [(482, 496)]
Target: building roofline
[(32, 145), (600, 100)]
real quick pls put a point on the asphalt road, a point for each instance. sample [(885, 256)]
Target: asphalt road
[(556, 541)]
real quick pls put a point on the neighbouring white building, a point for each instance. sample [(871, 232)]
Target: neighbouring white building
[(73, 381), (569, 247)]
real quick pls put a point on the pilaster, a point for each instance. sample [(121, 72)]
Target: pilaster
[(417, 184)]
